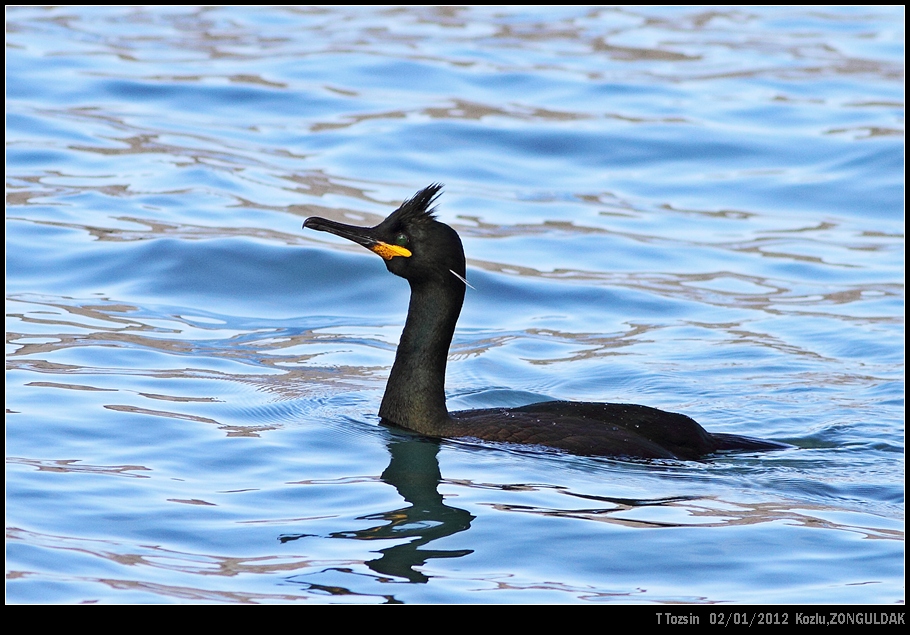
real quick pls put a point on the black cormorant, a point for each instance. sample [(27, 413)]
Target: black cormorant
[(428, 254)]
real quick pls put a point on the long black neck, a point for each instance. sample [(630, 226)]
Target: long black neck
[(415, 394)]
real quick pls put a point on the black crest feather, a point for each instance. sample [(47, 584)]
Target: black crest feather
[(417, 208)]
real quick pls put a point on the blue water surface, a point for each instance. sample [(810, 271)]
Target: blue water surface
[(696, 209)]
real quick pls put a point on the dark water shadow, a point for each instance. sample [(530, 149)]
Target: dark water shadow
[(413, 471)]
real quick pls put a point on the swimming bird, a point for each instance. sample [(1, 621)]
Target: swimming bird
[(429, 255)]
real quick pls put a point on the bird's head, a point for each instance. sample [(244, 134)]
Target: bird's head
[(413, 244)]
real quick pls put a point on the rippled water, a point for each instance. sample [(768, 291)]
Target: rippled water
[(694, 209)]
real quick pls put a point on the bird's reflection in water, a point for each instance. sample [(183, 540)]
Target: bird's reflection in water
[(414, 472)]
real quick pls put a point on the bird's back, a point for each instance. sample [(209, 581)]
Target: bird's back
[(599, 429)]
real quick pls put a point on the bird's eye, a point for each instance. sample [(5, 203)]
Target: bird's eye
[(401, 239)]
